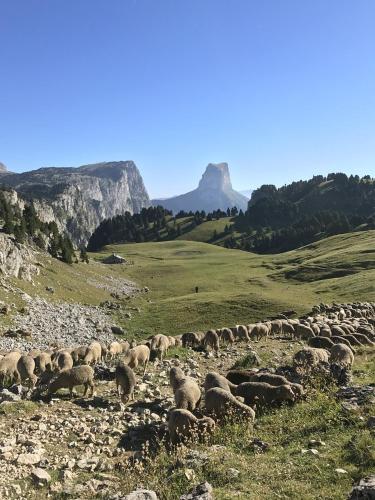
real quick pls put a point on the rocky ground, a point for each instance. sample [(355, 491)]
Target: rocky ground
[(41, 324)]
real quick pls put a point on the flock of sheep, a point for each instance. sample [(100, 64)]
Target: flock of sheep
[(332, 334)]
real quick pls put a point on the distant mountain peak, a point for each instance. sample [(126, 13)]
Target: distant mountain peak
[(216, 176), (3, 167), (213, 192)]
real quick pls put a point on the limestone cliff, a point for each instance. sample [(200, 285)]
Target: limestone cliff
[(78, 199)]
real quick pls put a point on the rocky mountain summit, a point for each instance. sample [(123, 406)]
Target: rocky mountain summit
[(213, 192), (78, 199)]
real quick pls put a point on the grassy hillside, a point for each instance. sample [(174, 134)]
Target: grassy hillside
[(205, 231), (237, 286)]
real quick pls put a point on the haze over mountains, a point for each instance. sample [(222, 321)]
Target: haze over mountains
[(214, 192)]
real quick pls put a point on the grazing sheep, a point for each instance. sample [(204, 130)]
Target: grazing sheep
[(172, 341), (115, 349), (353, 340), (288, 329), (8, 367), (241, 333), (25, 370), (341, 340), (264, 394), (320, 342), (269, 378), (363, 339), (259, 331), (276, 327), (308, 357), (342, 355), (159, 345), (184, 426), (63, 361), (303, 332), (236, 377), (298, 390), (187, 394), (211, 339), (325, 331), (227, 336), (192, 339), (138, 355), (125, 382), (78, 354), (125, 346), (72, 377), (93, 353), (216, 380), (43, 362), (221, 404)]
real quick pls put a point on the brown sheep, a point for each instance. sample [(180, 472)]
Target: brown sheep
[(78, 354), (221, 404), (184, 426), (216, 380), (211, 339), (236, 377), (269, 378), (114, 349), (25, 370), (353, 340), (159, 345), (309, 357), (187, 394), (342, 355), (259, 331), (363, 339), (63, 361), (125, 382), (43, 362), (93, 354), (226, 335), (72, 377), (264, 394), (242, 333), (303, 332), (138, 355), (8, 367), (320, 342)]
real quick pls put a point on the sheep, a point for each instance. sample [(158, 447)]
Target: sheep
[(276, 327), (298, 389), (114, 349), (192, 339), (8, 367), (308, 357), (138, 355), (211, 339), (221, 404), (341, 340), (63, 361), (43, 362), (363, 339), (184, 426), (238, 376), (320, 342), (215, 380), (303, 332), (269, 378), (72, 377), (342, 355), (287, 329), (353, 340), (25, 370), (241, 333), (264, 393), (125, 346), (93, 353), (227, 336), (159, 345), (125, 382), (187, 394), (78, 354), (172, 341), (259, 331)]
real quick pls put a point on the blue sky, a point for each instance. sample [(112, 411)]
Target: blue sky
[(280, 89)]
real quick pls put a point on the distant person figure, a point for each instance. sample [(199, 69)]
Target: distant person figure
[(196, 289)]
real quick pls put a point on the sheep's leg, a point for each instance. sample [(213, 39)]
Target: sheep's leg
[(71, 391), (145, 366), (86, 386)]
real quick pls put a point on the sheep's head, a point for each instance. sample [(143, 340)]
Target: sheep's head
[(285, 392)]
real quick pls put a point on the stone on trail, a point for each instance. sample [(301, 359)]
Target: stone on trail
[(202, 491), (141, 495), (40, 476)]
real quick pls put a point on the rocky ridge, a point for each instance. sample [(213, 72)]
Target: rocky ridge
[(78, 199)]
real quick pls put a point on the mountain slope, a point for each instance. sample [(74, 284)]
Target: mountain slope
[(213, 192), (78, 199)]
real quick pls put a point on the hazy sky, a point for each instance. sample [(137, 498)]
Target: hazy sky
[(280, 89)]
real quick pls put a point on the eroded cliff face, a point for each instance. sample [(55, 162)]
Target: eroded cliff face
[(17, 260), (78, 199)]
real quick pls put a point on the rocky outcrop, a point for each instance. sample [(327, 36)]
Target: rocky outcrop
[(78, 199), (17, 260), (213, 192)]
